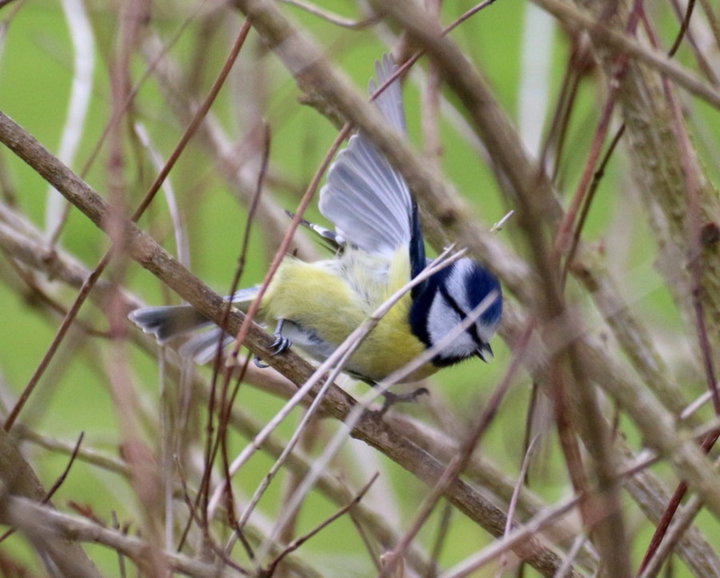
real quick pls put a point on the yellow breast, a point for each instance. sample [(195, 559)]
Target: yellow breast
[(332, 298)]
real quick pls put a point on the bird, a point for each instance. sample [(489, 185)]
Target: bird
[(378, 247)]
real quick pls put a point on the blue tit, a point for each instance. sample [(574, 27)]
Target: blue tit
[(379, 248)]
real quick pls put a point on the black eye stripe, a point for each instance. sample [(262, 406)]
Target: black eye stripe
[(450, 300)]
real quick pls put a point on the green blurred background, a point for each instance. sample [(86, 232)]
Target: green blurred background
[(36, 72)]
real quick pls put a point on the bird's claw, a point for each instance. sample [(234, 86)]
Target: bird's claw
[(278, 346), (392, 398)]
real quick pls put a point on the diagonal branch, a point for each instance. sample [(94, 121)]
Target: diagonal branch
[(370, 428)]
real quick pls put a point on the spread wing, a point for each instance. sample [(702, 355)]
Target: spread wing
[(365, 197)]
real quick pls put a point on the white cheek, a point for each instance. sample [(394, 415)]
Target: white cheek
[(456, 284), (441, 321)]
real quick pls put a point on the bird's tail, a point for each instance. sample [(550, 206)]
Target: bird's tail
[(169, 322)]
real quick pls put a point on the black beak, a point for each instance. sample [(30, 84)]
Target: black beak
[(484, 350)]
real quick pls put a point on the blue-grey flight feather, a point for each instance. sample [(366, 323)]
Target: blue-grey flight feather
[(365, 197)]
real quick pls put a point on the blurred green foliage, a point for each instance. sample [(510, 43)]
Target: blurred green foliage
[(36, 71)]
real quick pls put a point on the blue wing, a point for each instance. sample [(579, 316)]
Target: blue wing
[(365, 197)]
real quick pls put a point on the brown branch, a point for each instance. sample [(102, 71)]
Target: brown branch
[(317, 78), (374, 431), (656, 423), (52, 526), (614, 366), (617, 41), (530, 186), (302, 539), (18, 481)]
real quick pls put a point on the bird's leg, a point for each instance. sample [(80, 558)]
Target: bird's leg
[(279, 344), (392, 398)]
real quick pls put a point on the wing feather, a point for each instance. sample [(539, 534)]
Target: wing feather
[(389, 101), (365, 197)]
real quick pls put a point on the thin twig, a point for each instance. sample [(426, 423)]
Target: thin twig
[(295, 544)]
